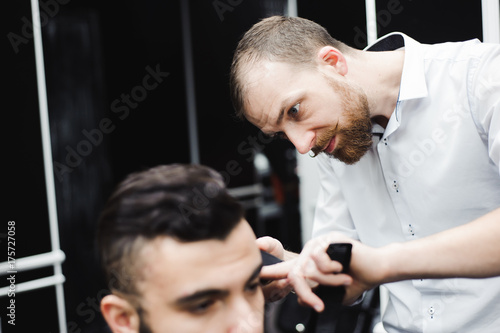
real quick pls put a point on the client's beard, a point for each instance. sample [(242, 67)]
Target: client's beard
[(143, 325), (354, 136)]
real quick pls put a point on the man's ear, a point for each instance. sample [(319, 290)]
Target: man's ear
[(328, 55), (120, 315)]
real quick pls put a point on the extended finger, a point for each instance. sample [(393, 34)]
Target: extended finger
[(305, 294), (276, 271), (276, 290)]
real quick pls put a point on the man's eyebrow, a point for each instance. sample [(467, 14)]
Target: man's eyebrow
[(207, 293), (255, 273), (281, 114), (284, 105)]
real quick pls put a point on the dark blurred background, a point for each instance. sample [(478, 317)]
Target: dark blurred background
[(116, 89)]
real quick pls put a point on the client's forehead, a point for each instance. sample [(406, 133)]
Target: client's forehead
[(171, 268)]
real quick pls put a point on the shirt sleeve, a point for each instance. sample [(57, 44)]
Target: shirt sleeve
[(485, 100), (331, 213)]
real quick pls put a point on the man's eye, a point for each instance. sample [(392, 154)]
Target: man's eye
[(254, 286), (202, 306), (294, 110)]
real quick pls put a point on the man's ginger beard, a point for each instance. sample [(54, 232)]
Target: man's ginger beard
[(354, 135)]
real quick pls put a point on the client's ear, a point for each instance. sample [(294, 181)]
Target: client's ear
[(120, 315)]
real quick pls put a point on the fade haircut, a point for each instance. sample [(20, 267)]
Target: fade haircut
[(290, 40), (186, 202)]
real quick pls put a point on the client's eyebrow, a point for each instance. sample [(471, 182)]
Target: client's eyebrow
[(255, 273), (202, 294), (211, 293)]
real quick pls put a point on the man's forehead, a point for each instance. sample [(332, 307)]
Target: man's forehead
[(274, 86), (173, 251), (257, 72), (178, 262), (264, 84)]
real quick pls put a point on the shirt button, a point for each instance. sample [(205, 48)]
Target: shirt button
[(300, 327), (431, 310), (395, 186)]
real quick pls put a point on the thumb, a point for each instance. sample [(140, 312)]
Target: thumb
[(270, 245)]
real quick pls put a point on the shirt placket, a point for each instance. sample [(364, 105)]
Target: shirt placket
[(393, 182)]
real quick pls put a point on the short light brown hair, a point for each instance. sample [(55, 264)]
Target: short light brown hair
[(291, 40)]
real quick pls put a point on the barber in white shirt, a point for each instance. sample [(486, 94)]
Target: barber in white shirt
[(408, 143)]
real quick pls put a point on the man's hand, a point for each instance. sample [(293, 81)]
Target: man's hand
[(314, 266)]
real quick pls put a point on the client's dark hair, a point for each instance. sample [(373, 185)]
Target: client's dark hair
[(186, 202)]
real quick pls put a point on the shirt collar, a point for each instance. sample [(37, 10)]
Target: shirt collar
[(413, 83)]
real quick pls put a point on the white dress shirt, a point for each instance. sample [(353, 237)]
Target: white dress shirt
[(434, 167)]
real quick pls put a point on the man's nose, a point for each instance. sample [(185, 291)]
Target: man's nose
[(302, 140)]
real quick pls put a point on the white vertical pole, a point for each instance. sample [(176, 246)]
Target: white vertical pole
[(189, 79), (306, 171), (47, 158), (292, 10), (491, 21), (371, 21)]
